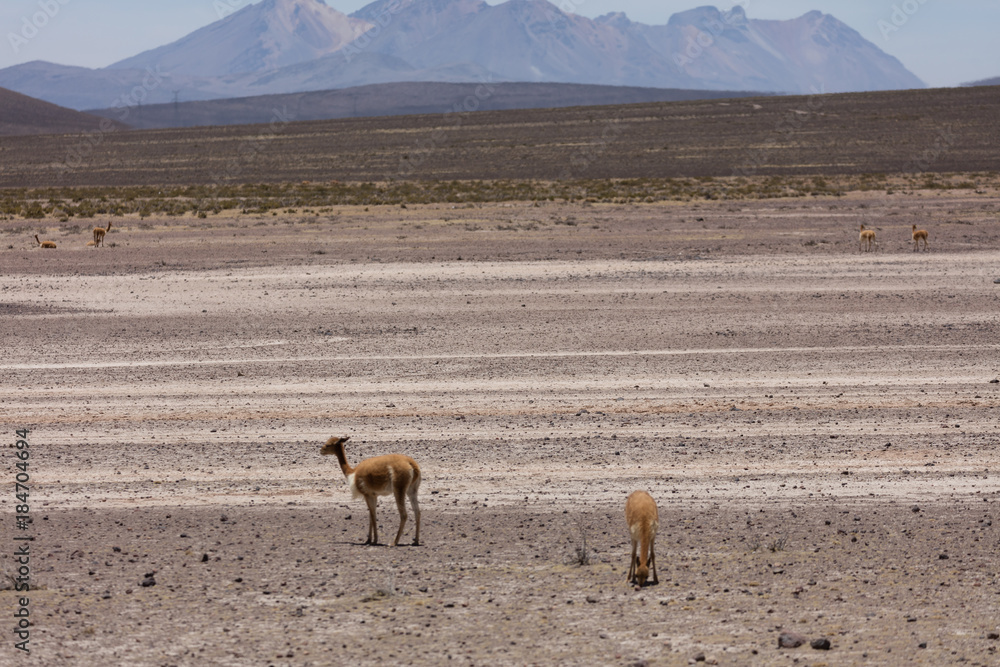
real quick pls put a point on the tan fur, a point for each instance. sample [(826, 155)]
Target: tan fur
[(99, 233), (918, 236), (44, 244), (391, 474), (867, 239), (643, 521)]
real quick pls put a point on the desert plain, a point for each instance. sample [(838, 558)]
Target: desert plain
[(817, 424)]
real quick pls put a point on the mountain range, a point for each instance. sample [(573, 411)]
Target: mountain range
[(398, 99), (20, 114), (290, 46), (993, 81)]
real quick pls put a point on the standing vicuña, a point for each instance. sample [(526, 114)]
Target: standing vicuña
[(918, 236), (44, 244), (867, 239), (391, 474), (643, 521), (99, 233)]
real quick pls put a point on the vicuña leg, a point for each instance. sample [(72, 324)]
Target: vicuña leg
[(372, 501)]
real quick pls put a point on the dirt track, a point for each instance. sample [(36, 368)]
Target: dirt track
[(818, 426)]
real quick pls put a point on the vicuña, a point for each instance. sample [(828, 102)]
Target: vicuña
[(99, 233), (643, 521), (391, 474), (866, 241)]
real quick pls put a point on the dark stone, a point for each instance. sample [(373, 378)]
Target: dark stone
[(791, 640), (821, 644)]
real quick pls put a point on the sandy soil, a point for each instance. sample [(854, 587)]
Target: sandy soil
[(817, 425)]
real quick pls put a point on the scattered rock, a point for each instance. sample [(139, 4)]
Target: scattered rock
[(993, 635), (591, 599), (915, 509), (791, 640), (148, 581), (821, 644)]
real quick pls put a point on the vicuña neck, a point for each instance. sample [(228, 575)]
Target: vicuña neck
[(342, 459)]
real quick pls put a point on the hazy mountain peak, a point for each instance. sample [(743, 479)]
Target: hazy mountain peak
[(283, 46), (260, 37), (737, 16), (698, 16)]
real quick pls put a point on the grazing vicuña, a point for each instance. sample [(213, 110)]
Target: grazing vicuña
[(643, 521), (391, 474), (918, 236)]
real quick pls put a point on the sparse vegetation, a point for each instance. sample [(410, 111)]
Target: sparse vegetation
[(581, 552), (777, 544), (288, 198)]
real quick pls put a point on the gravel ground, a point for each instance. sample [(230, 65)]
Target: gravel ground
[(817, 425)]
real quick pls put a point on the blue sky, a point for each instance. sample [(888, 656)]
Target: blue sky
[(944, 43)]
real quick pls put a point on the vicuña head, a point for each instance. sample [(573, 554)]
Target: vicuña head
[(44, 244), (643, 521), (390, 474), (918, 236)]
